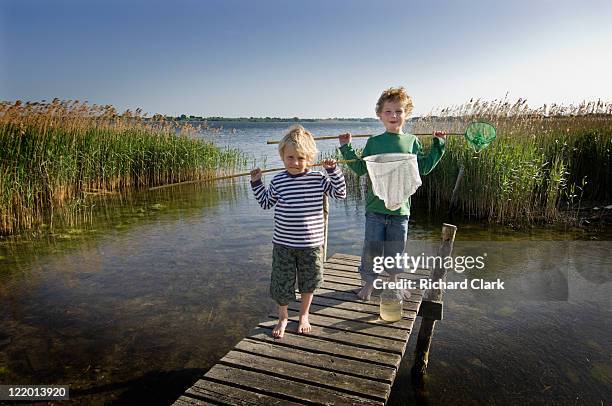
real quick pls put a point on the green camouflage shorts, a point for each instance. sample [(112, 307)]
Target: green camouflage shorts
[(308, 262)]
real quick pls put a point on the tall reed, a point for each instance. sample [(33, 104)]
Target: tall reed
[(51, 154), (543, 162)]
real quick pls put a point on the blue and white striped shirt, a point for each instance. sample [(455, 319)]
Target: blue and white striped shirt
[(298, 215)]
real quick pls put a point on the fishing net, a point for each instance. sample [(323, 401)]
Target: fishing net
[(395, 177), (479, 135)]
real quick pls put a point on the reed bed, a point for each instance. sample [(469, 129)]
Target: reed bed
[(544, 164), (54, 154)]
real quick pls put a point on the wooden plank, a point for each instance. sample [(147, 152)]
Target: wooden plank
[(357, 306), (327, 297), (416, 294), (349, 257), (286, 388), (357, 276), (339, 279), (336, 381), (187, 401), (344, 266), (332, 363), (337, 272), (343, 262), (351, 297), (319, 344), (337, 286), (357, 282), (327, 322), (231, 395), (342, 277), (352, 315), (348, 337)]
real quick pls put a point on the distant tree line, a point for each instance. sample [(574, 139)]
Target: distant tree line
[(186, 117)]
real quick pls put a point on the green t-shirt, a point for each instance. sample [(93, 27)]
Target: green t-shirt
[(393, 143)]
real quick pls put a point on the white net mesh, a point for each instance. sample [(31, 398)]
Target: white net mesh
[(395, 177)]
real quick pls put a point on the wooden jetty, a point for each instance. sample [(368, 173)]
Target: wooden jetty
[(351, 357)]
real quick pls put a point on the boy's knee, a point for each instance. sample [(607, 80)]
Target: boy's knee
[(310, 281), (310, 270), (282, 294)]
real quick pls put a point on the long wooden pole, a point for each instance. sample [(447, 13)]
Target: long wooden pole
[(335, 137), (236, 175)]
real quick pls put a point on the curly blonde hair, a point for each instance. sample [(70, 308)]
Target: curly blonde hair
[(301, 139), (395, 94)]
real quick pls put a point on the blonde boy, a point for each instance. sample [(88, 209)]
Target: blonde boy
[(297, 194), (386, 230)]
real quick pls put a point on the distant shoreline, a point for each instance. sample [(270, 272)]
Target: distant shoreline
[(184, 117)]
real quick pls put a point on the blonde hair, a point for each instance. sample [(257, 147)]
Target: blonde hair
[(395, 94), (301, 139)]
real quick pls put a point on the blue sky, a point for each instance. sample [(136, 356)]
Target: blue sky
[(307, 59)]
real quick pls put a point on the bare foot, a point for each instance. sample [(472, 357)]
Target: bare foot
[(365, 292), (304, 325), (279, 330)]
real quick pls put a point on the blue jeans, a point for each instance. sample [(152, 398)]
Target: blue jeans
[(385, 235)]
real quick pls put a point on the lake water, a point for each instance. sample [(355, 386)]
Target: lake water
[(253, 137), (137, 295)]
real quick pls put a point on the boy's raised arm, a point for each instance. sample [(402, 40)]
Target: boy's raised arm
[(335, 185), (428, 161), (265, 197), (347, 151)]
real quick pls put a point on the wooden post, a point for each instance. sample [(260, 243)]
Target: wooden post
[(431, 307), (325, 220)]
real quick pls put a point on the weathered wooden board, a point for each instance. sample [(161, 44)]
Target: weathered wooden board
[(348, 346)]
